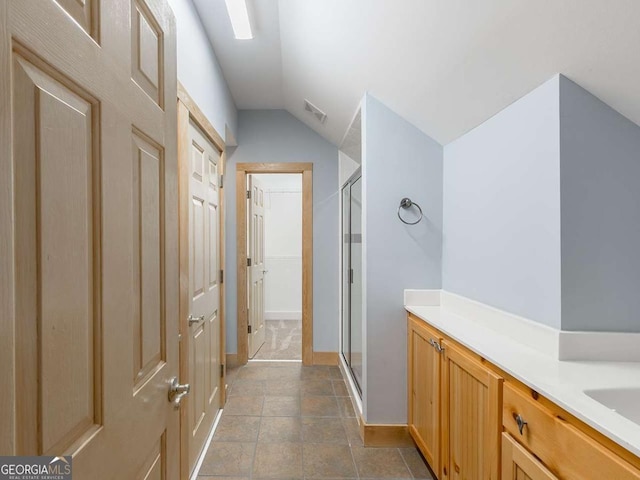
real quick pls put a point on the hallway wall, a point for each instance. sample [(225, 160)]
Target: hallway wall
[(200, 72), (274, 136)]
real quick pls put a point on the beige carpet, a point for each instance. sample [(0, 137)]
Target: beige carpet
[(283, 341)]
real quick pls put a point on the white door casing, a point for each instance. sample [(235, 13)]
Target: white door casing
[(88, 235), (204, 288)]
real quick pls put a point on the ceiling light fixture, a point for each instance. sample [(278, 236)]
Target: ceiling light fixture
[(239, 15)]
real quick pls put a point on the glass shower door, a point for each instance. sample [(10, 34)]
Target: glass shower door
[(352, 278), (346, 273), (356, 281)]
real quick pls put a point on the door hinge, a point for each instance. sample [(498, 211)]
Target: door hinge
[(221, 181), (221, 276), (222, 369), (248, 262), (249, 328), (249, 194)]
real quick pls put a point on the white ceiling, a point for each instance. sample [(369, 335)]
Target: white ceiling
[(444, 65)]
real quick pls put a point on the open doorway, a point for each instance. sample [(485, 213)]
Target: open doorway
[(275, 262), (274, 238)]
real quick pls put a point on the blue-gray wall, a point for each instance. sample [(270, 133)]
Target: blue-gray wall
[(502, 209), (276, 136), (600, 189), (398, 161), (199, 70)]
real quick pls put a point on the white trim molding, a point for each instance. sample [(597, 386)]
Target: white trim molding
[(283, 315)]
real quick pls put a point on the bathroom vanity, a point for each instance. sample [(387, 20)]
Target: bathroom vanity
[(484, 406)]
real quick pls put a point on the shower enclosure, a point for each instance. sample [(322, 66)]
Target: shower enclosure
[(352, 277)]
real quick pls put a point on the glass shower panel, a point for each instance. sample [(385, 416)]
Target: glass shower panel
[(356, 282), (352, 278), (346, 268)]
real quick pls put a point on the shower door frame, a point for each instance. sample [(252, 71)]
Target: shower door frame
[(355, 176)]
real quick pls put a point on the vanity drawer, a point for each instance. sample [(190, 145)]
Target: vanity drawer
[(566, 451)]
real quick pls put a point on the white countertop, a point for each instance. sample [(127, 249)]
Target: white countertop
[(562, 382)]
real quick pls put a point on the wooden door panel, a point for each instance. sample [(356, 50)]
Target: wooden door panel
[(214, 374), (256, 271), (148, 211), (197, 161), (58, 274), (197, 270), (519, 464), (424, 384), (154, 468), (204, 336), (91, 233), (467, 423), (84, 12), (472, 403), (146, 51), (214, 221), (199, 355)]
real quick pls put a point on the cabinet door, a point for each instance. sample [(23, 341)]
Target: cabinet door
[(519, 464), (471, 403), (424, 390)]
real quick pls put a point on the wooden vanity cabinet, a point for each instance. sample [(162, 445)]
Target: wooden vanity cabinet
[(471, 417), (459, 406), (424, 361), (519, 464), (454, 407), (563, 448)]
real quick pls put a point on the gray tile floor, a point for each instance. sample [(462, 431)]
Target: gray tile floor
[(286, 421)]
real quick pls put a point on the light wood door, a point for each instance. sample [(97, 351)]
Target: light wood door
[(257, 268), (424, 390), (471, 420), (519, 464), (204, 289), (88, 235)]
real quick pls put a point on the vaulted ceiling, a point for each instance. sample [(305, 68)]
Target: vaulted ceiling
[(444, 65)]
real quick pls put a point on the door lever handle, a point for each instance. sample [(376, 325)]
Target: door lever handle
[(177, 392), (193, 319)]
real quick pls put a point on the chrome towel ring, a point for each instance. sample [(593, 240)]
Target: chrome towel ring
[(406, 203)]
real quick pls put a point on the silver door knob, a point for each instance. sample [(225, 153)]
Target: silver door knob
[(193, 319), (265, 271), (177, 392)]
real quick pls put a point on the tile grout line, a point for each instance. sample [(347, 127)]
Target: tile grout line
[(404, 460), (255, 450), (353, 460)]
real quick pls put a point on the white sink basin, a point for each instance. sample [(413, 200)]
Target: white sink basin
[(624, 401)]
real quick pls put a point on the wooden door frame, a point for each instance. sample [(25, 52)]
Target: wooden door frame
[(188, 111), (242, 170)]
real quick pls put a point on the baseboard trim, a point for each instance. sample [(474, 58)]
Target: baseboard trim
[(380, 435), (284, 315), (325, 358), (232, 359)]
